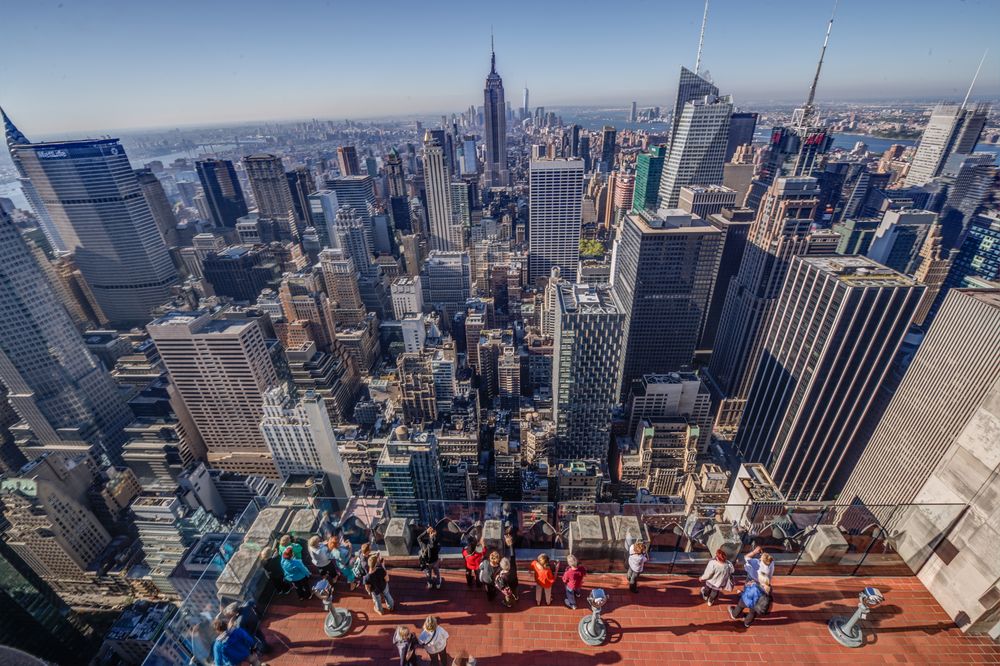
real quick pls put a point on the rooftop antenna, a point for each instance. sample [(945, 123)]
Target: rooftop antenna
[(701, 39), (493, 54), (808, 110), (972, 85)]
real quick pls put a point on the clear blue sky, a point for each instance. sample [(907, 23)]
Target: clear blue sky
[(86, 65)]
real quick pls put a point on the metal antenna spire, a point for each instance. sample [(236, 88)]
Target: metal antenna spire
[(701, 39), (493, 54), (972, 85), (808, 109)]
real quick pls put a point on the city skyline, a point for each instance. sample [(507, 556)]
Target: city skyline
[(159, 89)]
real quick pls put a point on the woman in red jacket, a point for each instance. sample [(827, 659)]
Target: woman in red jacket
[(473, 554)]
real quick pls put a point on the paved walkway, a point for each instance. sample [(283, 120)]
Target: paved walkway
[(666, 623)]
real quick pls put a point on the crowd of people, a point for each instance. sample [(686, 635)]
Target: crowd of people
[(292, 565)]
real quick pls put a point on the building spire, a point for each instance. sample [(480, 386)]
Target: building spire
[(493, 54), (971, 85), (701, 39), (809, 109)]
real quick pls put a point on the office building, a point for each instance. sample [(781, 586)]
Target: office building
[(734, 223), (690, 87), (14, 137), (648, 171), (221, 368), (340, 276), (955, 372), (698, 151), (446, 233), (609, 137), (837, 326), (408, 471), (241, 271), (53, 382), (950, 129), (271, 192), (469, 164), (781, 230), (347, 159), (589, 342), (856, 234), (899, 237), (495, 172), (222, 190), (332, 375), (394, 175), (663, 269), (446, 279), (671, 395), (357, 192), (706, 200), (301, 184), (407, 296), (555, 209), (356, 239), (322, 207), (113, 237), (298, 432), (741, 129), (159, 205), (658, 457)]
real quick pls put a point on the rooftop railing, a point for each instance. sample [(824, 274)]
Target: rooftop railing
[(814, 539)]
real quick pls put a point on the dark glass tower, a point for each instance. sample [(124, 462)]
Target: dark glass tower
[(223, 191)]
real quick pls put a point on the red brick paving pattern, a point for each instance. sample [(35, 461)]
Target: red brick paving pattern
[(665, 623)]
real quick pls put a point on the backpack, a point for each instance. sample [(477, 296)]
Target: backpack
[(763, 604)]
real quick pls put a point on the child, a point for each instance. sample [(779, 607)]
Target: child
[(544, 579), (573, 578)]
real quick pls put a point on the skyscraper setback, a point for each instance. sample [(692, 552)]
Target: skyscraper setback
[(93, 198), (495, 127)]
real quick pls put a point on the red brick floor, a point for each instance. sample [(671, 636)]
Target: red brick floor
[(666, 621)]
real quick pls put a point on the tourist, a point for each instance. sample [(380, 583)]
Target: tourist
[(377, 584), (287, 541), (473, 555), (434, 639), (758, 562), (463, 659), (573, 579), (360, 566), (637, 559), (718, 576), (430, 564), (296, 573), (233, 646), (319, 553), (406, 643), (246, 617), (509, 552), (488, 570), (341, 556), (270, 562), (755, 598), (505, 582), (544, 579)]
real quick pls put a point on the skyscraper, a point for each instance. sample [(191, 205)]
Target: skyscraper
[(357, 192), (14, 137), (159, 205), (781, 230), (698, 150), (298, 432), (95, 203), (222, 190), (555, 208), (586, 369), (53, 382), (394, 174), (951, 129), (301, 184), (955, 372), (835, 331), (525, 112), (734, 225), (445, 232), (648, 171), (662, 272), (741, 129), (347, 158), (690, 87), (323, 206), (221, 368), (609, 138), (494, 112), (271, 191)]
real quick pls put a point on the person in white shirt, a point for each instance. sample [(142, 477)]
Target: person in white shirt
[(758, 562), (320, 555), (434, 639), (637, 559), (718, 576)]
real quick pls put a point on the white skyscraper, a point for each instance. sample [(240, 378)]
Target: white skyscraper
[(950, 129), (555, 214), (301, 439), (698, 152), (445, 234)]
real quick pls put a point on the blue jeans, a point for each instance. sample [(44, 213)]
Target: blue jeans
[(571, 598), (383, 598)]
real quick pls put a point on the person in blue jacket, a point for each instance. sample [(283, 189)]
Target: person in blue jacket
[(755, 598), (296, 573), (234, 646)]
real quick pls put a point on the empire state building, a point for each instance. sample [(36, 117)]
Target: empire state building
[(495, 112)]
